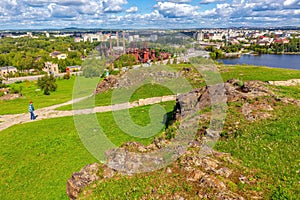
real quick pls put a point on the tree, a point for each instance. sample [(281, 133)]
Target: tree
[(93, 66), (175, 61), (47, 84)]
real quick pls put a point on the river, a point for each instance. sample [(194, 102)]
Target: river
[(270, 60)]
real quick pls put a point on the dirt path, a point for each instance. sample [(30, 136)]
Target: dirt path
[(7, 121)]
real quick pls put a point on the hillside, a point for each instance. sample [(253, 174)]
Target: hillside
[(256, 156)]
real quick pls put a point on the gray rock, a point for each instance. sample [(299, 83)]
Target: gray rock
[(195, 175), (80, 180), (212, 182)]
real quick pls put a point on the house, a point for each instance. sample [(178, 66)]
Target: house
[(282, 40), (73, 68), (58, 55), (51, 68), (4, 71), (78, 39), (98, 37)]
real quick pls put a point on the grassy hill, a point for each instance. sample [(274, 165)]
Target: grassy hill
[(37, 158)]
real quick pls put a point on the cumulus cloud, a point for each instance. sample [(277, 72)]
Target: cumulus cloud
[(162, 13), (113, 5), (175, 10), (211, 1), (289, 2), (133, 9), (179, 1)]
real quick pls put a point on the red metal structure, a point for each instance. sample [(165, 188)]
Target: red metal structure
[(145, 54)]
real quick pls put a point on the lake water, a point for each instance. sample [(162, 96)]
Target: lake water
[(277, 61)]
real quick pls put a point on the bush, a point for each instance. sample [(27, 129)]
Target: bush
[(170, 133), (280, 194), (2, 85), (47, 84), (67, 76), (14, 90)]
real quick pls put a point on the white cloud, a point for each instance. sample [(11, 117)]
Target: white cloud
[(133, 9), (289, 2), (174, 10), (164, 14), (211, 1), (179, 1), (113, 5)]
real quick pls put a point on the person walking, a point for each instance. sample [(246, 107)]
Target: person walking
[(31, 110)]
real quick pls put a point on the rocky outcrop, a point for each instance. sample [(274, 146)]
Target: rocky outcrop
[(205, 172), (10, 97), (202, 166), (106, 84), (235, 91), (80, 180), (292, 82), (87, 176), (254, 112)]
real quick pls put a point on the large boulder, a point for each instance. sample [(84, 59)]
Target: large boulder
[(106, 84), (80, 180)]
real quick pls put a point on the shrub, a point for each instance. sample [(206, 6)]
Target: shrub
[(14, 90), (47, 84), (2, 85), (240, 83), (170, 133), (67, 76), (280, 194)]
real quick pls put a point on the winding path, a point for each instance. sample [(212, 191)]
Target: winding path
[(7, 121)]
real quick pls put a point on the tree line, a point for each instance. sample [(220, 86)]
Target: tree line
[(31, 53)]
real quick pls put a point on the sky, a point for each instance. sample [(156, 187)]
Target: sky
[(143, 14)]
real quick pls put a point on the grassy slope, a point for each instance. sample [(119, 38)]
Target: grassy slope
[(271, 147), (37, 158), (41, 160), (258, 73), (268, 147), (105, 98), (61, 95)]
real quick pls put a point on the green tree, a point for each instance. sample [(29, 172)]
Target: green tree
[(93, 66), (47, 84), (175, 61)]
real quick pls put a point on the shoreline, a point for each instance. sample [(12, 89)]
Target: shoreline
[(256, 54), (248, 65)]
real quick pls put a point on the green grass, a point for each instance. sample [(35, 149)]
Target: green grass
[(37, 158), (154, 185), (288, 91), (140, 116), (258, 73), (29, 91), (105, 98), (271, 147)]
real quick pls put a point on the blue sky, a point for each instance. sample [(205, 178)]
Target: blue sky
[(124, 14)]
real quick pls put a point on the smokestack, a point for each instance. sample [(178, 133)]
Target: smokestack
[(110, 44), (117, 35), (124, 47)]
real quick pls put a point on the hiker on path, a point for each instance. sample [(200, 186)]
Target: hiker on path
[(31, 110)]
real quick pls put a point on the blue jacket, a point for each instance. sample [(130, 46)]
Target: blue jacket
[(30, 108)]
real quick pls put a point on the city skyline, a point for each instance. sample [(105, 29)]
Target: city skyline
[(140, 14)]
